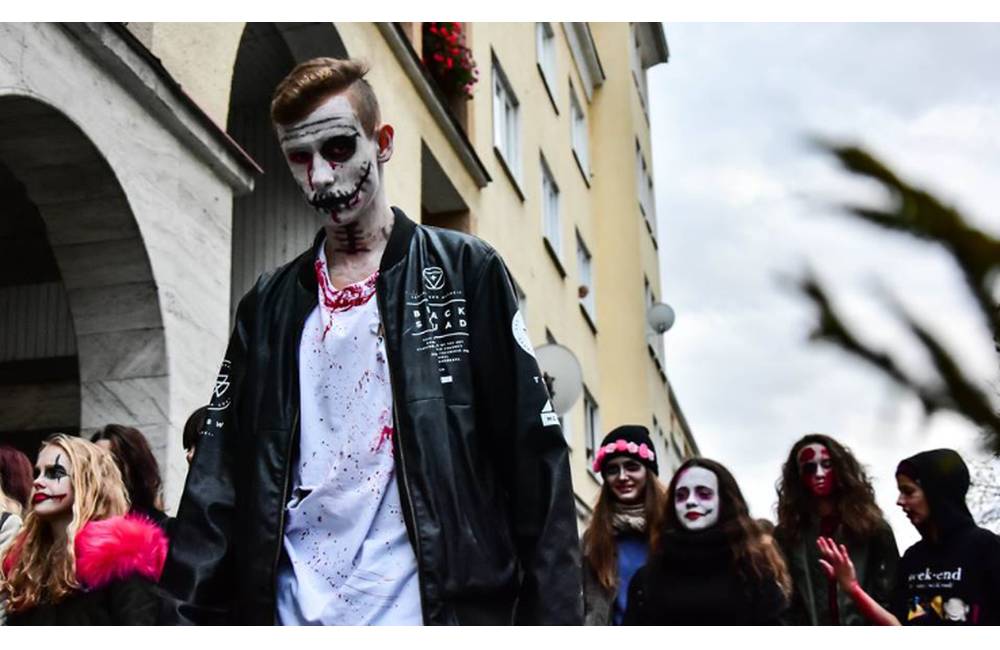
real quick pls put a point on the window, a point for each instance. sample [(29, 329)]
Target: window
[(638, 71), (644, 189), (578, 135), (584, 263), (545, 41), (591, 426), (550, 210), (506, 122)]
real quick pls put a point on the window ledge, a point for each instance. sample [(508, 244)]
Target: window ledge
[(548, 88), (579, 165), (591, 474), (510, 174), (656, 361), (590, 319), (652, 234), (553, 255)]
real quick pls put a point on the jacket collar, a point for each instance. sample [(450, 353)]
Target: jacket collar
[(395, 249)]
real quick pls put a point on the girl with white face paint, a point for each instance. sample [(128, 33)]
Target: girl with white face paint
[(627, 522), (78, 502), (714, 565)]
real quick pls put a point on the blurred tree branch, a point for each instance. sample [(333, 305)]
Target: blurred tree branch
[(917, 213)]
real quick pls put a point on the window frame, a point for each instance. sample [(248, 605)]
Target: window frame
[(579, 135), (545, 56), (506, 124)]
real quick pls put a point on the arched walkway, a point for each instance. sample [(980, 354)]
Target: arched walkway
[(88, 292)]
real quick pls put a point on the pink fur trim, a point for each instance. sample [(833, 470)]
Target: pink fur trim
[(119, 547)]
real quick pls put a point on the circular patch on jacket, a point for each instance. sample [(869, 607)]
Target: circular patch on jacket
[(520, 331)]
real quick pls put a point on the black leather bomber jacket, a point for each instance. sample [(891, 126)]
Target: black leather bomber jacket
[(482, 466)]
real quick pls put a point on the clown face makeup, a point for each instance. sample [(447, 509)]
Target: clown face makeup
[(627, 479), (334, 161), (52, 494), (816, 470), (696, 498)]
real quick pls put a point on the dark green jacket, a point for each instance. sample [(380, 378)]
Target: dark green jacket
[(874, 560)]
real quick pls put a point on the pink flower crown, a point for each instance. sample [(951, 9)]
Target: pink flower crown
[(618, 446)]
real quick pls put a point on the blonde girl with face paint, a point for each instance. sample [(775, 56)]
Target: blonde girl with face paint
[(626, 523), (714, 565), (78, 560)]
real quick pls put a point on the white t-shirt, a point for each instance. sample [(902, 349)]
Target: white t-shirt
[(347, 559)]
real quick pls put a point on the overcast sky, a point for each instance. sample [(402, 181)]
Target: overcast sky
[(742, 201)]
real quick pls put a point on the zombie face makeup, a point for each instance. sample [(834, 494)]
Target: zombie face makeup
[(334, 161), (696, 498), (52, 494), (816, 470), (627, 479)]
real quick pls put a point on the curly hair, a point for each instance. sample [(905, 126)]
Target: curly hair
[(854, 496), (311, 81), (751, 547), (599, 549), (136, 462), (35, 570)]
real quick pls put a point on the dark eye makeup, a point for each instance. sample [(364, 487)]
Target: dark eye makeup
[(339, 148)]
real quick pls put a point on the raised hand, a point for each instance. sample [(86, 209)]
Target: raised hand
[(836, 563)]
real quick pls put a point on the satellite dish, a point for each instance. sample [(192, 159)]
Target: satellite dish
[(562, 375), (660, 317)]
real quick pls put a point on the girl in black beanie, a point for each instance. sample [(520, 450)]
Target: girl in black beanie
[(952, 575), (625, 523)]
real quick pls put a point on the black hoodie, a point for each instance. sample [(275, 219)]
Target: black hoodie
[(954, 580)]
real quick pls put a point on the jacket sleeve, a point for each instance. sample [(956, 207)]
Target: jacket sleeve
[(883, 558), (530, 453), (197, 576)]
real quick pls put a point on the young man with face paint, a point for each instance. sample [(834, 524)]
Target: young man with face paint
[(824, 491), (952, 575), (379, 447), (714, 564)]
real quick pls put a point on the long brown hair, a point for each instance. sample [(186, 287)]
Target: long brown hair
[(136, 462), (750, 546), (599, 547), (15, 475), (854, 496), (42, 571)]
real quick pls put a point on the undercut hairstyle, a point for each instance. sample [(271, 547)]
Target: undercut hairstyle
[(137, 465), (36, 569), (599, 544), (853, 494), (313, 81), (15, 476), (193, 427), (751, 548)]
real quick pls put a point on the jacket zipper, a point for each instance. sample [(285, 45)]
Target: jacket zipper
[(288, 477), (398, 444)]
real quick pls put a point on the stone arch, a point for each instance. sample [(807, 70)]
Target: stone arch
[(273, 224), (104, 275)]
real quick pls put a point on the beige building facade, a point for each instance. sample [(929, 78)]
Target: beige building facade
[(144, 173)]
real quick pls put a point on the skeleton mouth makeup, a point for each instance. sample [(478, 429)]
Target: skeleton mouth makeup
[(335, 201)]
